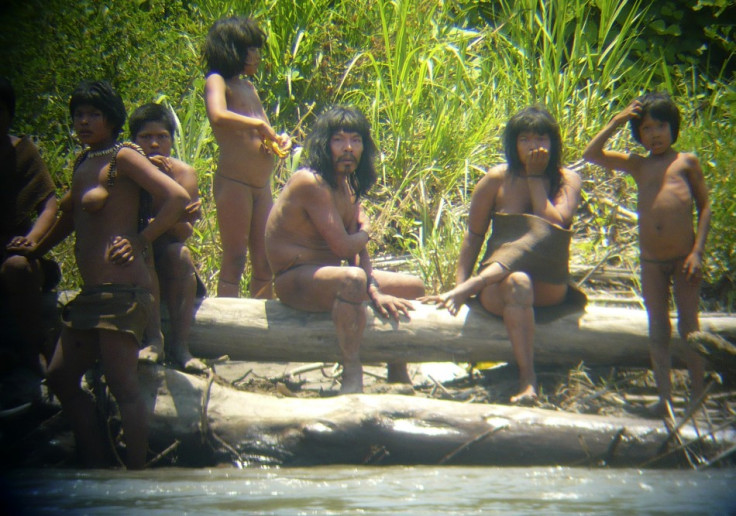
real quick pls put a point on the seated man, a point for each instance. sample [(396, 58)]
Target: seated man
[(317, 222), (152, 127), (28, 192)]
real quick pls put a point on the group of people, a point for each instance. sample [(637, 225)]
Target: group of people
[(132, 207)]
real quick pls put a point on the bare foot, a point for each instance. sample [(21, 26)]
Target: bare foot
[(189, 363), (526, 397), (151, 353), (397, 373)]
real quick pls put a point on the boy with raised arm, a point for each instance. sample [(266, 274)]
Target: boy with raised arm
[(242, 183), (669, 183)]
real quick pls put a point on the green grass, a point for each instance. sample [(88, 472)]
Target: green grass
[(437, 80)]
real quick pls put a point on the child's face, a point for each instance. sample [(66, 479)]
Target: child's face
[(91, 125), (252, 60), (346, 149), (528, 141), (154, 139), (656, 135)]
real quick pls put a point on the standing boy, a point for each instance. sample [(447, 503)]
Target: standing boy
[(671, 246), (152, 127), (242, 183)]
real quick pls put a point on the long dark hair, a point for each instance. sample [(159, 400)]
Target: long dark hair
[(319, 159), (102, 96), (226, 47), (537, 120)]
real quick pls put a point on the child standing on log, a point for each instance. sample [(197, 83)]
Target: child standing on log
[(242, 183), (671, 246)]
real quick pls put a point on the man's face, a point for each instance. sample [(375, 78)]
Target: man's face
[(154, 139), (346, 149)]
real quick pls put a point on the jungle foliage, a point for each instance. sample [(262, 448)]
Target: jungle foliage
[(438, 80)]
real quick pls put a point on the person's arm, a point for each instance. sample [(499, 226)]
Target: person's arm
[(62, 227), (596, 152), (694, 262), (173, 203), (26, 244), (222, 118), (186, 176), (482, 204), (561, 209)]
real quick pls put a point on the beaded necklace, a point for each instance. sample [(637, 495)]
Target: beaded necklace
[(103, 152)]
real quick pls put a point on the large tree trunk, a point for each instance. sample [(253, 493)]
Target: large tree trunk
[(250, 428), (249, 329)]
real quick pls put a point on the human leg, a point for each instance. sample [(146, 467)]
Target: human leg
[(21, 281), (687, 298), (406, 286), (178, 287), (234, 205), (75, 353), (261, 277), (655, 287), (513, 299), (341, 291), (154, 338), (119, 356)]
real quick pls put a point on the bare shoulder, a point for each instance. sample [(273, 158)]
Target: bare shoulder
[(571, 178), (214, 81), (128, 156), (689, 159), (182, 169), (493, 177), (306, 178)]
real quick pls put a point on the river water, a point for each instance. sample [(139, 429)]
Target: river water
[(369, 490)]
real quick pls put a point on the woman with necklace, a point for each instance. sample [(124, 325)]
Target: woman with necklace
[(106, 320)]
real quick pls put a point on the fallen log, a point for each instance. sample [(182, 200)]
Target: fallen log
[(254, 429), (250, 329)]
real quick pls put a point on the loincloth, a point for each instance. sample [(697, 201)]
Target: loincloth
[(113, 307), (238, 181), (527, 243)]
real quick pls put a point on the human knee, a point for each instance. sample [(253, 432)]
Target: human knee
[(15, 272), (353, 283), (179, 259), (234, 260), (518, 289)]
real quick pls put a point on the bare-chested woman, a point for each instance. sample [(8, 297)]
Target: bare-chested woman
[(242, 184), (107, 319)]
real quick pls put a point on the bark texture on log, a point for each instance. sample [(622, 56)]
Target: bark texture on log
[(250, 329), (394, 429)]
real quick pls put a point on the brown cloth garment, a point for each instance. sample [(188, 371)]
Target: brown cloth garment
[(24, 184), (526, 243), (113, 307)]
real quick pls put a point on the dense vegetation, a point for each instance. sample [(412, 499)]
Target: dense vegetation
[(438, 81)]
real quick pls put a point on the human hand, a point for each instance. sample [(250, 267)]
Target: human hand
[(633, 110), (122, 250), (692, 267), (21, 245), (163, 163), (536, 161), (392, 306), (193, 211), (452, 300)]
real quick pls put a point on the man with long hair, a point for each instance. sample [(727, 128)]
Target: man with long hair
[(317, 222)]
